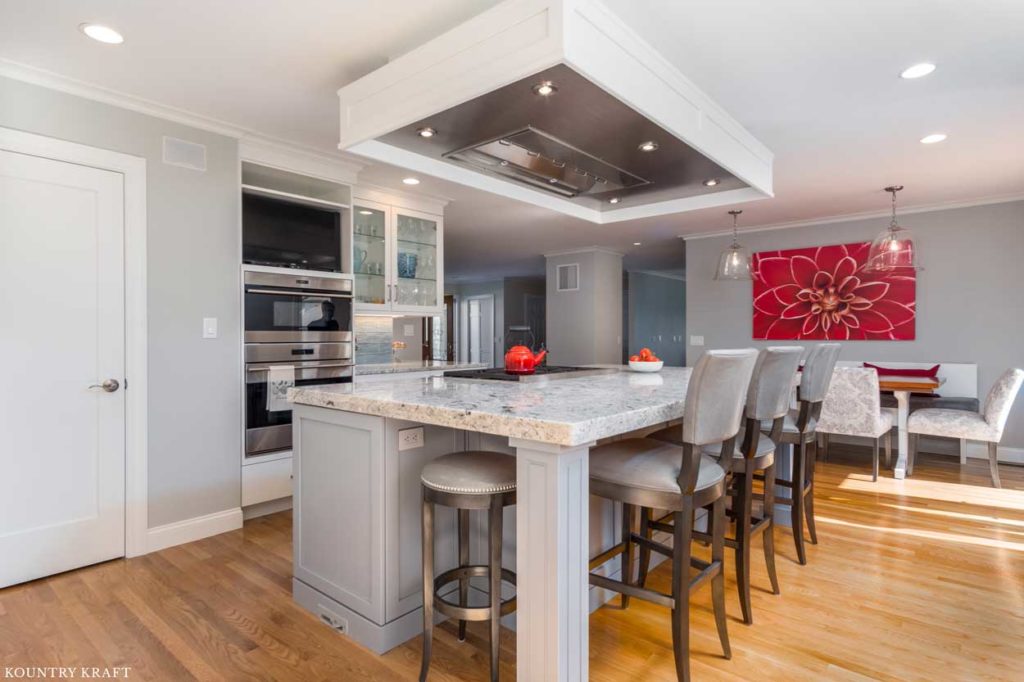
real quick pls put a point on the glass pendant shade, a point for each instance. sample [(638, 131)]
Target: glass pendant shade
[(734, 263), (894, 248)]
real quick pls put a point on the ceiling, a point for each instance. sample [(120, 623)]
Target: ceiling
[(815, 82)]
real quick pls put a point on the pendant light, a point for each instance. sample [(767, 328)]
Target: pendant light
[(734, 263), (894, 248)]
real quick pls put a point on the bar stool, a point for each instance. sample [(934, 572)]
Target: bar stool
[(649, 473), (799, 430), (467, 481), (768, 399)]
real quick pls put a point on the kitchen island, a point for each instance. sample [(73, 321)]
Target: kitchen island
[(358, 454)]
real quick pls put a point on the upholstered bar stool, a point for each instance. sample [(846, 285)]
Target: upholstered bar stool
[(649, 473), (853, 407), (985, 426), (467, 481), (768, 398), (798, 430)]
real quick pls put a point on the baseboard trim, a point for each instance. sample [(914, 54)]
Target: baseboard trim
[(254, 511), (946, 446), (190, 530)]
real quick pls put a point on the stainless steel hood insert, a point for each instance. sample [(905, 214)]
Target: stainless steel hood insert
[(535, 158)]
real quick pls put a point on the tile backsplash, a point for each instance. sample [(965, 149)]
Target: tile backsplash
[(373, 339)]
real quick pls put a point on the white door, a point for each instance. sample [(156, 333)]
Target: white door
[(62, 434), (480, 327)]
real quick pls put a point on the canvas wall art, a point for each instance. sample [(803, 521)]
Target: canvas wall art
[(825, 293)]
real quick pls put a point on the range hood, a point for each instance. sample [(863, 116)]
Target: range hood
[(559, 104)]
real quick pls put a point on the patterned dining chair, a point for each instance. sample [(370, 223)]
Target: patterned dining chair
[(853, 407), (987, 425)]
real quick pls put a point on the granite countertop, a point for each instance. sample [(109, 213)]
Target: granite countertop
[(420, 366), (563, 412)]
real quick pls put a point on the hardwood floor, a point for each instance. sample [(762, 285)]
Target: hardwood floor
[(921, 579)]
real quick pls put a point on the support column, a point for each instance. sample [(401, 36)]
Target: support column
[(552, 552)]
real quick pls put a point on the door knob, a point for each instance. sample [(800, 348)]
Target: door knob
[(110, 385)]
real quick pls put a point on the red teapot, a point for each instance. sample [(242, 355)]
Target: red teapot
[(521, 360)]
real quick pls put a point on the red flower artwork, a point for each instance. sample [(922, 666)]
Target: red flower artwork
[(825, 293)]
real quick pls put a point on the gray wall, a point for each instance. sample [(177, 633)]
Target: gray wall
[(969, 304), (585, 326), (193, 254), (657, 316)]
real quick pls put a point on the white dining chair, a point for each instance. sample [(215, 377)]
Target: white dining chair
[(987, 425), (853, 407)]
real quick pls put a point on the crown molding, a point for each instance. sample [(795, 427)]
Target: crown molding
[(867, 215), (258, 143), (585, 249)]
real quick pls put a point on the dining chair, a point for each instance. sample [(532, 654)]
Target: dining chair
[(799, 431), (853, 407), (650, 473), (987, 425)]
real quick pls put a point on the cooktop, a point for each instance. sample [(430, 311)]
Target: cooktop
[(541, 374)]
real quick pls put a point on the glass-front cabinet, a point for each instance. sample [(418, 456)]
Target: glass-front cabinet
[(397, 259)]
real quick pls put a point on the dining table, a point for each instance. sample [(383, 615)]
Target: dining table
[(901, 388)]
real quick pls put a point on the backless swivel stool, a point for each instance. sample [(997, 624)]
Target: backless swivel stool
[(649, 473), (799, 430), (467, 481)]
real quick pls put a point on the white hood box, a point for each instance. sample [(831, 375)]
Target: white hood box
[(574, 150)]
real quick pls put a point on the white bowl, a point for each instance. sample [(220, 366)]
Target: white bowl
[(646, 366)]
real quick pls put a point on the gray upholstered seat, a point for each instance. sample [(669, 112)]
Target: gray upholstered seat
[(476, 472), (789, 423), (952, 424), (765, 446), (648, 464)]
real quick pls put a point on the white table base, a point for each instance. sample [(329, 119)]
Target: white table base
[(902, 439), (552, 556)]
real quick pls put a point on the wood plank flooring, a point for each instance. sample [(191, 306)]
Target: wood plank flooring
[(915, 580)]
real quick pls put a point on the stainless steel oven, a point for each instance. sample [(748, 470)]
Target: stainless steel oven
[(268, 431), (290, 308), (297, 320)]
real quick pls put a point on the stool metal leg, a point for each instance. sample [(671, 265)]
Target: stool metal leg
[(743, 504), (811, 454), (797, 510), (494, 574), (463, 561), (628, 511), (769, 532), (428, 586), (718, 582), (682, 531), (646, 515)]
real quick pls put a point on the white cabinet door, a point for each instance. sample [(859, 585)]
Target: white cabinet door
[(371, 255), (338, 509), (418, 261), (62, 443)]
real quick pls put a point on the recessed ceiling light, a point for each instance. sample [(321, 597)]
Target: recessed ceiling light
[(917, 70), (636, 243), (102, 33), (426, 132), (545, 88), (710, 182), (411, 181), (933, 138), (648, 146), (614, 200)]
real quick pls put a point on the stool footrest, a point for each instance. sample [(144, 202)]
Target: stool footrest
[(470, 613)]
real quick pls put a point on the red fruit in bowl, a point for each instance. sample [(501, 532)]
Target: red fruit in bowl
[(634, 358)]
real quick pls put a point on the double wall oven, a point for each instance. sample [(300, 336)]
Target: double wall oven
[(297, 320)]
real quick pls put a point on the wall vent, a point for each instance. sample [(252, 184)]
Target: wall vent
[(569, 277), (185, 154)]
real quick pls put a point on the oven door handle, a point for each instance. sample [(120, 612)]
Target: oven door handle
[(286, 292), (331, 365)]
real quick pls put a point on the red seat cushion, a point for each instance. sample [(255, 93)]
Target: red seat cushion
[(931, 372)]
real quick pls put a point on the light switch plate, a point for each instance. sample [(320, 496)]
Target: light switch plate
[(209, 327), (410, 439), (696, 340)]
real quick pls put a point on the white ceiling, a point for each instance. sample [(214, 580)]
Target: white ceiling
[(814, 81)]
